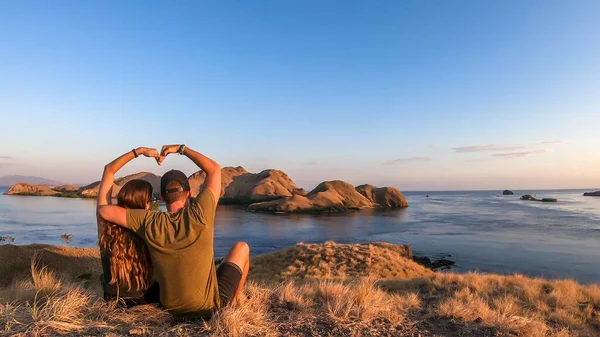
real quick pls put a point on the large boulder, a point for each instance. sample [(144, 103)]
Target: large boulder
[(529, 197), (328, 196), (508, 192), (91, 190), (27, 189), (336, 193), (239, 186), (387, 197), (592, 194)]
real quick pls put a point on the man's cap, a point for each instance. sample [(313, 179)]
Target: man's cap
[(167, 185)]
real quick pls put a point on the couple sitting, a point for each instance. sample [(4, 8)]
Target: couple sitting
[(167, 257)]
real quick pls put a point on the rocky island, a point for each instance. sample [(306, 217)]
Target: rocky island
[(592, 194), (334, 196), (267, 191), (88, 191), (239, 186), (65, 191)]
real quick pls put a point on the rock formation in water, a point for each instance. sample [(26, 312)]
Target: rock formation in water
[(508, 192), (334, 196), (89, 191), (267, 191), (533, 198), (388, 197), (239, 186), (592, 194), (27, 189)]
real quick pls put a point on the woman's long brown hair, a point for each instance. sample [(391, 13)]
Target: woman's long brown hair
[(130, 263)]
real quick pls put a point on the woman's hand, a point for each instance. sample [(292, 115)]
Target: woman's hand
[(148, 152)]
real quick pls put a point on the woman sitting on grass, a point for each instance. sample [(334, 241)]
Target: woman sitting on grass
[(126, 264)]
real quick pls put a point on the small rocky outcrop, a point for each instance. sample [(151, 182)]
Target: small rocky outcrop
[(441, 264), (386, 197), (592, 194), (239, 186), (27, 189), (507, 192), (533, 198), (334, 196)]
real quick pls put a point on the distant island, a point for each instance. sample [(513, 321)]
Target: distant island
[(71, 191), (15, 179), (270, 191)]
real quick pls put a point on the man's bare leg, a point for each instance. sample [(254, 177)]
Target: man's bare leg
[(239, 255)]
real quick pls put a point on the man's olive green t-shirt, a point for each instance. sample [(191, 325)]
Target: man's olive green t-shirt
[(181, 248)]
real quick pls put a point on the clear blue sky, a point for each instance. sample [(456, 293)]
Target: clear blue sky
[(417, 95)]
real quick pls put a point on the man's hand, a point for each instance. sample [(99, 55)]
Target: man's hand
[(165, 151)]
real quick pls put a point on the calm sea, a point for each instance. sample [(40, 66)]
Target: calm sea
[(480, 230)]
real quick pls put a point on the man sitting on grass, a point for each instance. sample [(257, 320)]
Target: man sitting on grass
[(180, 242)]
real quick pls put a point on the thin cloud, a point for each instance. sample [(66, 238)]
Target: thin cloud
[(401, 161), (552, 142), (477, 160), (6, 157), (485, 148), (517, 154), (312, 162)]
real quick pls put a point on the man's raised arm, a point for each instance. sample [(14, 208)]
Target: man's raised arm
[(209, 166)]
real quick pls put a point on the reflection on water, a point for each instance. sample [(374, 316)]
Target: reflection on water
[(481, 231), (268, 232)]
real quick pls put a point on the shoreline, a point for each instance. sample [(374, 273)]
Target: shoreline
[(554, 241), (442, 263)]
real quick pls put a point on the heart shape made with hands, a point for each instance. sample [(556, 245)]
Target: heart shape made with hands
[(159, 157)]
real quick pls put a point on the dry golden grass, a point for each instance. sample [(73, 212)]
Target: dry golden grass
[(329, 289)]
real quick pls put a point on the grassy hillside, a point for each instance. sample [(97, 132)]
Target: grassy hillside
[(307, 290)]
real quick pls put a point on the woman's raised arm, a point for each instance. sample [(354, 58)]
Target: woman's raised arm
[(108, 177)]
